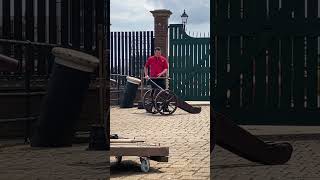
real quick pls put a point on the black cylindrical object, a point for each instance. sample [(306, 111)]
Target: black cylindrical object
[(67, 88), (130, 92)]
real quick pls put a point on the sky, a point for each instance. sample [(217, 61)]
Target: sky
[(134, 15)]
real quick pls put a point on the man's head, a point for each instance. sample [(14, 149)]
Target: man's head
[(157, 51)]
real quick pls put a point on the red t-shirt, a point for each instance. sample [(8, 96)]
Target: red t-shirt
[(157, 65)]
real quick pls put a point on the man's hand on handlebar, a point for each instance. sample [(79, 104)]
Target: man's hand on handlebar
[(147, 77)]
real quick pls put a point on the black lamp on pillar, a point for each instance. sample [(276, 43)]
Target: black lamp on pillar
[(184, 18)]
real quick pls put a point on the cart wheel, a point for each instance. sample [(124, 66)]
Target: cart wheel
[(148, 102), (145, 164), (118, 159), (166, 102)]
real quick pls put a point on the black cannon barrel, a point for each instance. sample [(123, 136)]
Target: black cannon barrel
[(68, 85), (130, 92)]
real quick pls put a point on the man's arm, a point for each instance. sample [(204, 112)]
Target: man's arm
[(146, 66), (146, 72), (166, 66), (163, 72)]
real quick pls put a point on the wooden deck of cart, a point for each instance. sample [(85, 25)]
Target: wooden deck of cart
[(130, 147)]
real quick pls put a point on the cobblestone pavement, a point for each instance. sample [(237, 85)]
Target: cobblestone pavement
[(304, 165), (23, 162), (186, 135)]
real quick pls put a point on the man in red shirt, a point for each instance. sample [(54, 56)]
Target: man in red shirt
[(158, 69)]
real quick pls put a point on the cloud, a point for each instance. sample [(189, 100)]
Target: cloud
[(135, 14)]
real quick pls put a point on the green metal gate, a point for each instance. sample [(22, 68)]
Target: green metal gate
[(267, 60), (189, 65)]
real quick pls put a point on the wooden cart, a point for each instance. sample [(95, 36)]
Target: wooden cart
[(132, 147)]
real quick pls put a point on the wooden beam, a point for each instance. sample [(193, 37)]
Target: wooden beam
[(141, 151), (125, 141)]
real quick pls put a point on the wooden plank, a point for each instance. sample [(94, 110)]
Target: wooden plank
[(298, 59), (30, 31), (200, 73), (170, 57), (312, 63), (18, 20), (64, 22), (298, 84), (208, 62), (180, 61), (221, 51), (312, 13), (88, 24), (100, 17), (187, 74), (53, 22), (260, 74), (234, 60), (273, 61), (41, 35), (197, 73), (235, 10), (141, 151), (260, 9), (273, 8), (206, 77), (191, 64), (312, 59), (299, 7), (177, 65), (18, 30), (248, 9), (273, 73), (222, 8), (6, 28), (183, 65), (125, 141), (75, 29), (285, 59)]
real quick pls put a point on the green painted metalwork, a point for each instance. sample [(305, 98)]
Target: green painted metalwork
[(266, 55), (189, 65)]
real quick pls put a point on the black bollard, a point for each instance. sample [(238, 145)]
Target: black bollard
[(130, 92), (8, 64), (68, 85)]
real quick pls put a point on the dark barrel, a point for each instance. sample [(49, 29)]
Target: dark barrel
[(68, 85), (130, 92), (8, 64)]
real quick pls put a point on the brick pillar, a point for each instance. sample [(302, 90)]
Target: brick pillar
[(161, 18)]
